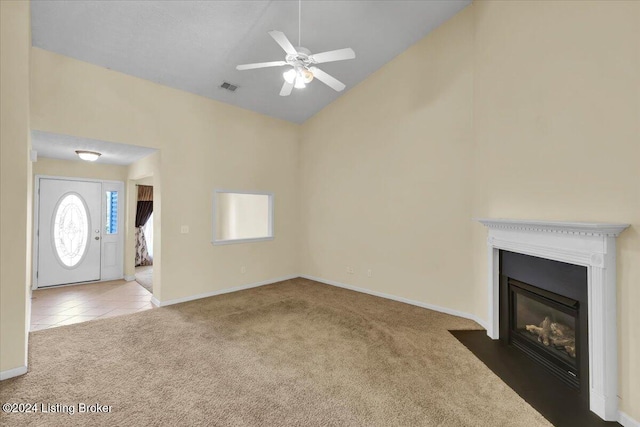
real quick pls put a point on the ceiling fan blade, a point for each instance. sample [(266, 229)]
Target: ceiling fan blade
[(260, 65), (286, 89), (283, 41), (325, 78), (333, 55)]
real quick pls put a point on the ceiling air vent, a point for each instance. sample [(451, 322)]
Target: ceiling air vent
[(229, 86)]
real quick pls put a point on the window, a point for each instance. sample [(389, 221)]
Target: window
[(242, 217), (111, 223), (70, 229)]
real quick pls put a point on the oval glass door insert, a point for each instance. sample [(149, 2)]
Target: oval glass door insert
[(70, 230)]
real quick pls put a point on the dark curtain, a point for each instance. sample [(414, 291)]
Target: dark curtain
[(142, 253), (145, 205), (143, 213)]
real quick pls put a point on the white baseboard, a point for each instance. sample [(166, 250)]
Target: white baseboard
[(129, 278), (627, 421), (446, 310), (15, 372), (158, 303)]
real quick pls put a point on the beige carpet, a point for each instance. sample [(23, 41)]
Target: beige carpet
[(144, 276), (296, 353)]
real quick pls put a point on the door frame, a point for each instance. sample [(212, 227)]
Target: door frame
[(121, 225)]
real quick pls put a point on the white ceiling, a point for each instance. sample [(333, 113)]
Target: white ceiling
[(195, 45), (56, 146)]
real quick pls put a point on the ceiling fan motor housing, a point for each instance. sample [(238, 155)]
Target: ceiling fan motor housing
[(302, 59)]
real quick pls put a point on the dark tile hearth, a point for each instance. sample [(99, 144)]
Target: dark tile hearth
[(556, 401)]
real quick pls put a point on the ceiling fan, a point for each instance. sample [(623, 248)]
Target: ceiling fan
[(303, 63)]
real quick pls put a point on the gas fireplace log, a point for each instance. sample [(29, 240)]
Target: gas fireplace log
[(561, 341), (546, 331), (541, 331), (556, 334), (562, 330), (535, 330), (567, 344)]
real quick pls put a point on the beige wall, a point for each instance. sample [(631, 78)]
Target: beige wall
[(510, 109), (15, 183), (203, 145), (145, 181), (386, 175), (79, 169), (557, 134)]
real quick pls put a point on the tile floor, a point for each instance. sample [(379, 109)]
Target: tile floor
[(80, 303)]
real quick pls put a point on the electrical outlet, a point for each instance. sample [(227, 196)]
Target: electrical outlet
[(369, 273), (350, 270), (243, 269), (184, 229)]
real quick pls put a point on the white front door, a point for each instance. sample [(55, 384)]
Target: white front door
[(69, 232)]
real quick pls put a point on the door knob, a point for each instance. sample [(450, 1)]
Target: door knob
[(97, 238)]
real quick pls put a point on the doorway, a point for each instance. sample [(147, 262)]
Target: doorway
[(144, 233), (79, 235)]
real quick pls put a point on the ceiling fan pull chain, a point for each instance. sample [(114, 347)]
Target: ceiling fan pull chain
[(299, 25)]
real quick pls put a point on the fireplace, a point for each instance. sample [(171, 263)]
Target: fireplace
[(542, 306), (590, 247)]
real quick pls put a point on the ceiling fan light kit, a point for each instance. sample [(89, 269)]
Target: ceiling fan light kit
[(303, 63), (299, 76)]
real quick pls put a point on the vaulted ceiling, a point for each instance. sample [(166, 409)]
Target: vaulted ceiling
[(195, 45)]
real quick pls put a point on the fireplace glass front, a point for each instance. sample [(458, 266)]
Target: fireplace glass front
[(544, 325)]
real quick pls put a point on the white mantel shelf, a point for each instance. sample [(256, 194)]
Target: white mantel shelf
[(585, 228), (592, 245)]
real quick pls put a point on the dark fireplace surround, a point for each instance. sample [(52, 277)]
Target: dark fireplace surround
[(543, 312)]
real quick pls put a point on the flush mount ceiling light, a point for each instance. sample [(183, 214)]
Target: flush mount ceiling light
[(303, 63), (89, 156)]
